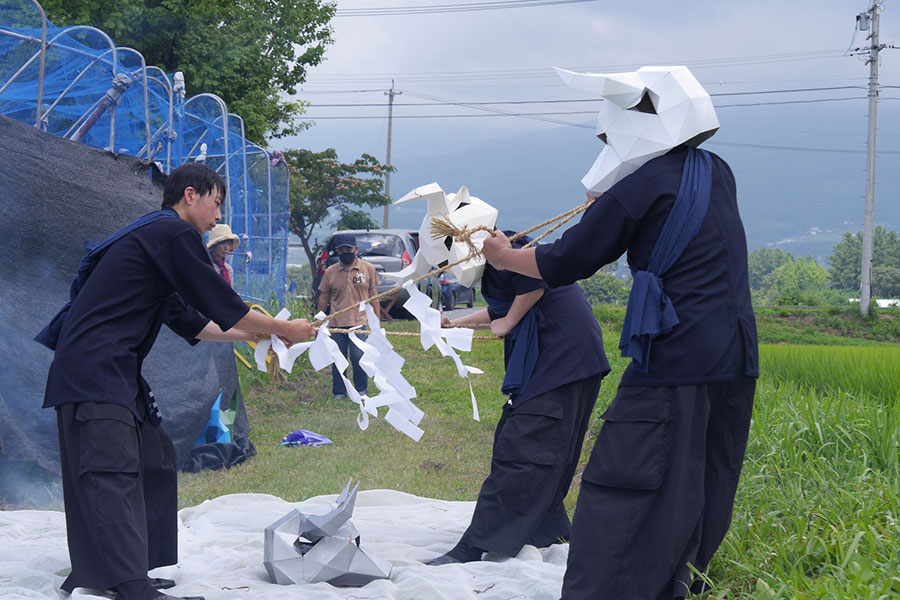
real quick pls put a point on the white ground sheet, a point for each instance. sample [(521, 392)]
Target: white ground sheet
[(221, 550)]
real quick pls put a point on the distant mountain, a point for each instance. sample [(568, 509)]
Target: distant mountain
[(798, 200)]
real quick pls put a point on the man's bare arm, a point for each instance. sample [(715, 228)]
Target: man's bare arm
[(520, 306), (214, 333), (479, 317), (295, 330)]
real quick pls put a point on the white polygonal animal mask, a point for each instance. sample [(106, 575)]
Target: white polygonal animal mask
[(645, 114), (462, 210), (302, 548)]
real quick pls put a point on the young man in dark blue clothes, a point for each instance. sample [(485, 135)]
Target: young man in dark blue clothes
[(658, 490), (554, 358), (118, 463)]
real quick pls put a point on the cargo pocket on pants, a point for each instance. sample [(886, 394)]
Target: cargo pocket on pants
[(532, 433), (631, 448), (108, 439)]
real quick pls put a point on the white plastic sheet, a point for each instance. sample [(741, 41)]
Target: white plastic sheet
[(221, 549)]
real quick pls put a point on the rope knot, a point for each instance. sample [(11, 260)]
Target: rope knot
[(442, 227)]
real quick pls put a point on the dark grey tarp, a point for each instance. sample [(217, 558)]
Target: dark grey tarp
[(54, 195)]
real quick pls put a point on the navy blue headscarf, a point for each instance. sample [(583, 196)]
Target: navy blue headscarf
[(523, 340)]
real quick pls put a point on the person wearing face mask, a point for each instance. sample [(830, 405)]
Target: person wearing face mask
[(345, 283)]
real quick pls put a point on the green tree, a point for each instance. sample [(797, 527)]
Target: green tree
[(797, 282), (250, 53), (886, 282), (354, 219), (605, 287), (763, 261), (846, 257), (845, 262), (885, 248), (320, 184)]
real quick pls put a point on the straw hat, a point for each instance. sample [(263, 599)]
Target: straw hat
[(222, 233)]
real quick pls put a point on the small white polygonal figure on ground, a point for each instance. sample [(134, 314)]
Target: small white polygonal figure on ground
[(644, 114), (303, 548), (462, 210)]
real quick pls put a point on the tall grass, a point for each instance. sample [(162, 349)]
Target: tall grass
[(818, 507), (874, 371)]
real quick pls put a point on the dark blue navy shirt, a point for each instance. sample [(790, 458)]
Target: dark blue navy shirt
[(159, 273), (708, 284), (570, 344)]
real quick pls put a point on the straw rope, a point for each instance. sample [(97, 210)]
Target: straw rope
[(414, 334), (442, 227)]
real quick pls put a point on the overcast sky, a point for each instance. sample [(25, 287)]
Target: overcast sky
[(506, 55)]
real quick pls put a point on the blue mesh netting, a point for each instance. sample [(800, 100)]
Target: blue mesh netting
[(106, 97)]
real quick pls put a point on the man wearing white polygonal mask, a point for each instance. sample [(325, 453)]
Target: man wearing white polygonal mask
[(658, 491)]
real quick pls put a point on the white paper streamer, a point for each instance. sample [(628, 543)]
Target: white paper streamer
[(379, 360), (431, 334), (383, 364)]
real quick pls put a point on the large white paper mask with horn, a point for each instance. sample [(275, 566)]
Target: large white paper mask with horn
[(301, 548), (644, 114), (460, 209)]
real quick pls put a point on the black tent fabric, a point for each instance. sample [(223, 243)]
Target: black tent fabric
[(56, 194)]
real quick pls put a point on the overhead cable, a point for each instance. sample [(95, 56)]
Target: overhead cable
[(570, 101), (383, 11), (501, 74)]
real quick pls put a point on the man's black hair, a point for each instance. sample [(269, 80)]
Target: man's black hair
[(195, 175)]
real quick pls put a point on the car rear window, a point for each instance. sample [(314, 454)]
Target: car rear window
[(379, 244)]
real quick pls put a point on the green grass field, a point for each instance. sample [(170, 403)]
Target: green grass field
[(818, 510)]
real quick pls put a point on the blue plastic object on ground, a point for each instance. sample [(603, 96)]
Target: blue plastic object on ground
[(301, 437)]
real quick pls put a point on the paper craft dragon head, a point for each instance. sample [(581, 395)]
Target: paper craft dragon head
[(301, 548), (461, 210), (644, 114)]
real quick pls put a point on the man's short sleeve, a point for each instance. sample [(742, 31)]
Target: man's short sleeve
[(523, 284), (184, 263), (325, 282), (182, 319)]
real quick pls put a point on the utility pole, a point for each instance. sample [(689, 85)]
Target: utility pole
[(387, 178), (864, 21)]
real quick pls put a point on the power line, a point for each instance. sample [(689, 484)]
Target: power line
[(449, 116), (497, 112), (713, 141), (494, 74), (581, 100), (449, 8), (776, 103), (379, 90), (562, 112)]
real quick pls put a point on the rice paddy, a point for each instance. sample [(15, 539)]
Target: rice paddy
[(863, 370)]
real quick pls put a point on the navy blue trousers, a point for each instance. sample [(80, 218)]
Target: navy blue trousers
[(360, 378), (537, 446), (658, 490), (120, 493)]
